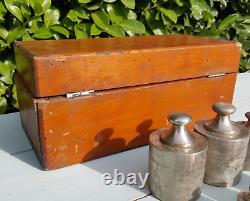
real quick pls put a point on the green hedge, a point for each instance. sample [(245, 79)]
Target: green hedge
[(46, 19)]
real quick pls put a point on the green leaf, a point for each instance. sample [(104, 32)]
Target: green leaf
[(3, 11), (94, 30), (10, 63), (209, 18), (60, 30), (77, 15), (93, 6), (14, 9), (40, 6), (116, 13), (43, 33), (3, 105), (198, 7), (133, 26), (129, 3), (245, 44), (179, 2), (82, 30), (14, 101), (3, 45), (84, 1), (26, 36), (6, 72), (3, 32), (168, 23), (245, 64), (171, 14), (100, 19), (33, 19), (186, 21), (46, 4), (243, 33), (109, 1), (209, 33), (15, 34), (67, 23), (25, 11), (35, 23), (156, 26), (51, 17), (246, 19), (115, 30), (7, 80), (31, 3), (38, 9), (3, 88), (228, 21), (131, 15)]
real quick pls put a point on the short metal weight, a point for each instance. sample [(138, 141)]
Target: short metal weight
[(227, 146), (176, 161)]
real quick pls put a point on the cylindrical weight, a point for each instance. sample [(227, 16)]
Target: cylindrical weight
[(247, 126), (176, 161), (227, 146), (244, 196)]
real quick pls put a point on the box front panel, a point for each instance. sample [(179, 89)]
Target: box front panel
[(85, 128)]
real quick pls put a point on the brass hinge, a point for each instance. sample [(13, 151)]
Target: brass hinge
[(216, 75), (80, 93)]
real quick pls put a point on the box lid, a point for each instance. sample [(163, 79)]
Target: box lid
[(57, 67)]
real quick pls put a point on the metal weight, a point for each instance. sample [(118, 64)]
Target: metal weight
[(244, 196), (227, 146), (176, 161), (222, 124), (247, 160)]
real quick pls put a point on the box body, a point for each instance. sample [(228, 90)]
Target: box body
[(137, 81)]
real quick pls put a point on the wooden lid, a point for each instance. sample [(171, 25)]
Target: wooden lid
[(57, 67)]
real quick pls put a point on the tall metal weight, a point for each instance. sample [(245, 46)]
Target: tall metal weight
[(227, 146), (176, 161)]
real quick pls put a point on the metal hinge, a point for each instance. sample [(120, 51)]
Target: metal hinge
[(80, 93), (216, 75)]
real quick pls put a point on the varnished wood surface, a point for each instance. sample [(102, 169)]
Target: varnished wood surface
[(52, 68), (28, 114), (69, 47), (76, 130), (21, 177)]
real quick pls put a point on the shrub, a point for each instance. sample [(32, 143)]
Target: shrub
[(46, 19)]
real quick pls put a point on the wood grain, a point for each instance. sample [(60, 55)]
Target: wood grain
[(76, 130), (137, 82), (52, 68), (28, 113)]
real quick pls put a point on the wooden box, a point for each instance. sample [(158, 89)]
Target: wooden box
[(85, 99)]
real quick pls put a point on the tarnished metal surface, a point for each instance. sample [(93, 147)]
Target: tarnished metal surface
[(222, 124), (244, 196), (176, 161), (227, 146), (178, 135), (247, 126)]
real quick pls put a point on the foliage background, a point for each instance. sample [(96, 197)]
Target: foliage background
[(46, 19)]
